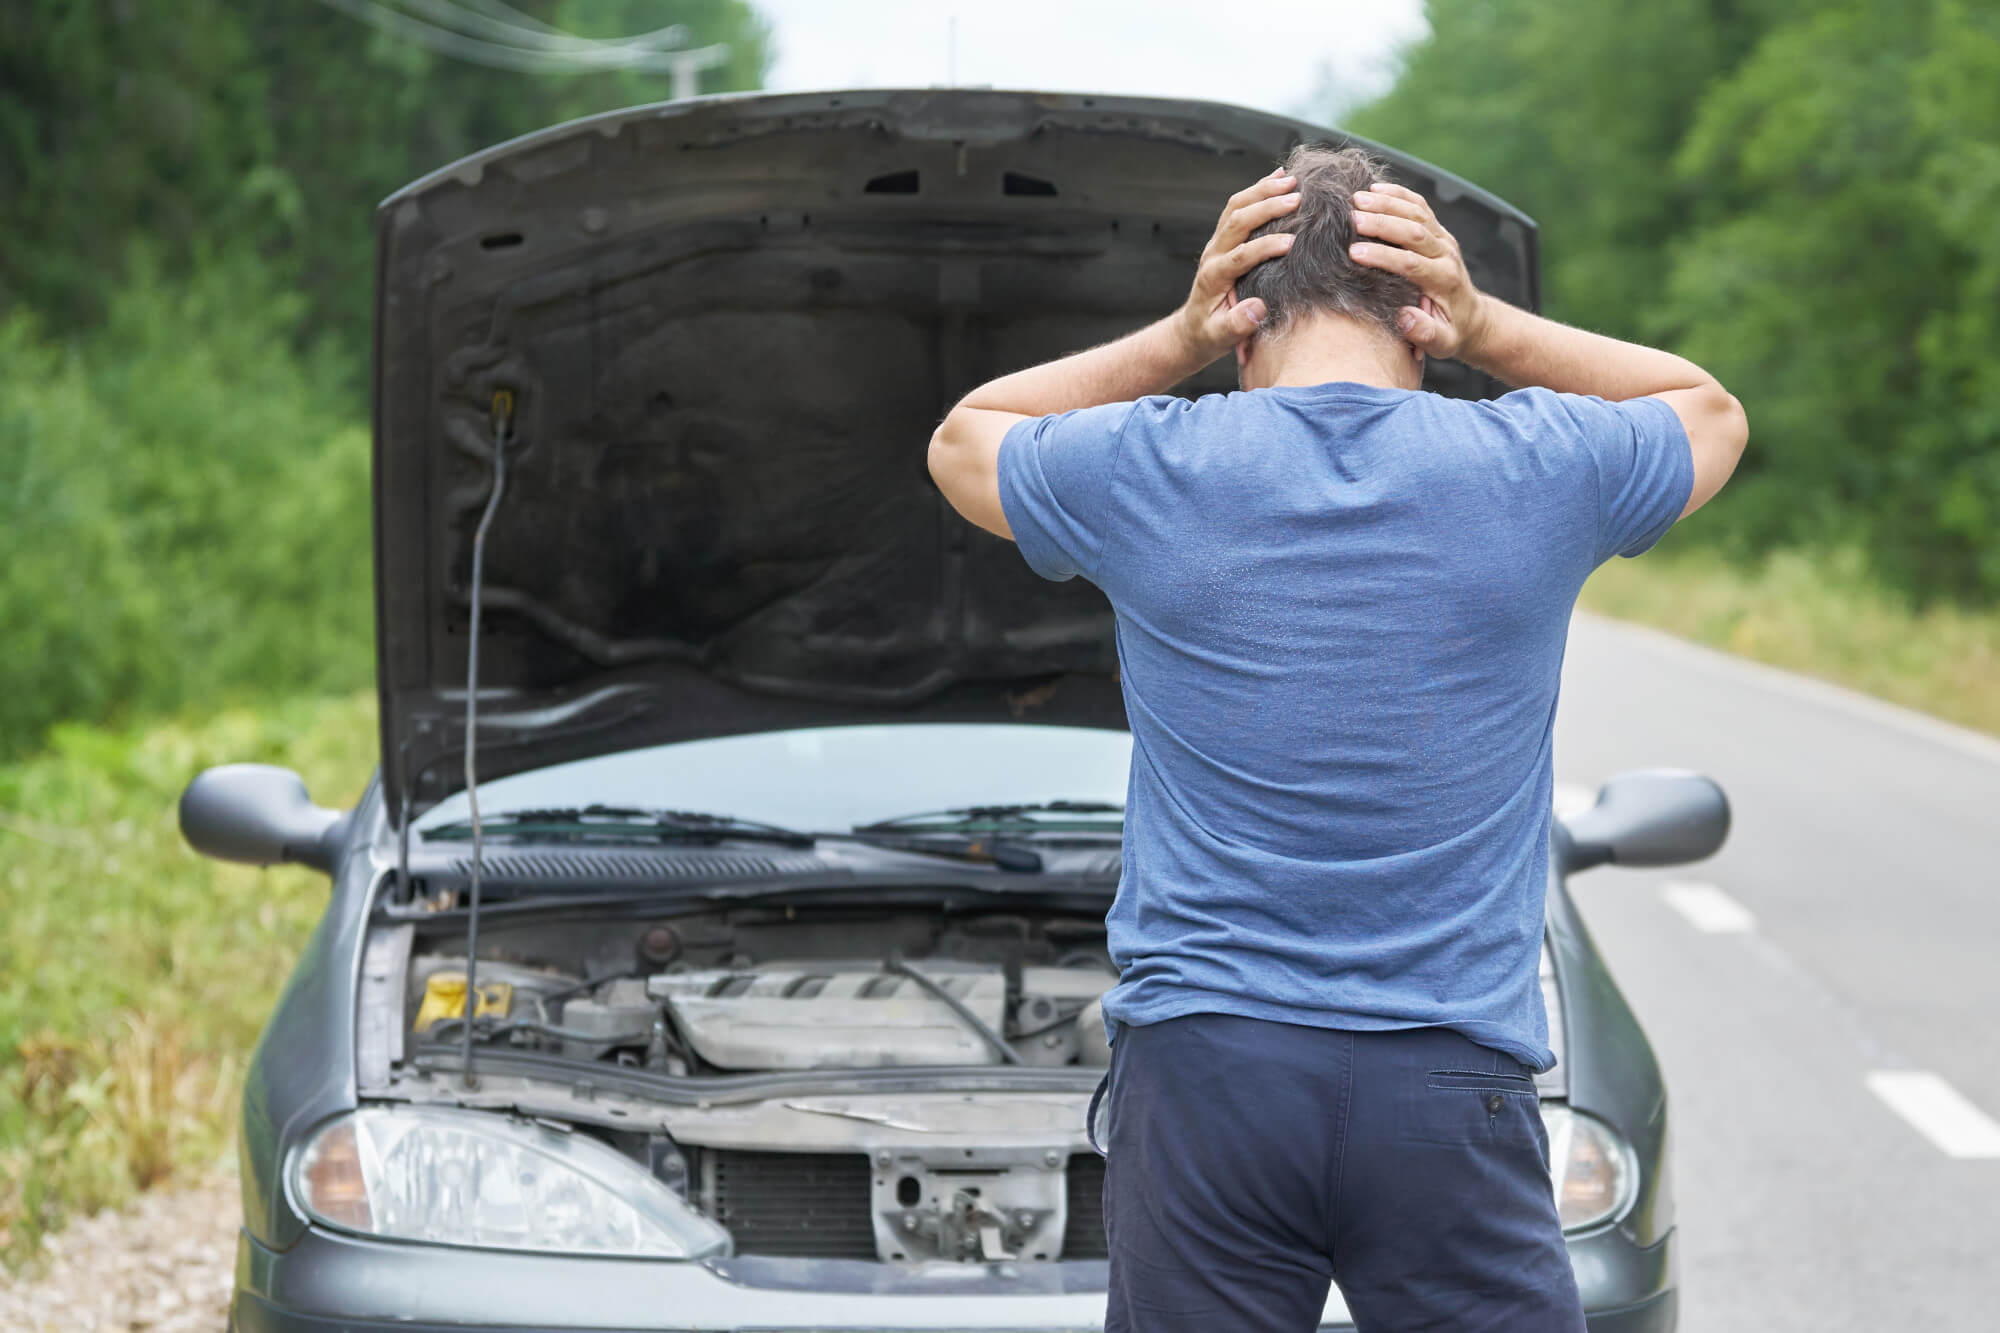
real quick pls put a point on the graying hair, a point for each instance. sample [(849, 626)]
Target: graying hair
[(1317, 273)]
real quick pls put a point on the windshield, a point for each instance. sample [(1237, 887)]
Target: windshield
[(829, 777)]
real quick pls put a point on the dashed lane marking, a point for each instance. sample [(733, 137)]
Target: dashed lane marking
[(1938, 1111), (1708, 909)]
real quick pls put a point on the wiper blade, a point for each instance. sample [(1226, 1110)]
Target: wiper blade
[(992, 851), (1014, 816), (615, 821)]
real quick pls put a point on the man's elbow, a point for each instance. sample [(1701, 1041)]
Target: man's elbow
[(941, 456), (1732, 423), (1717, 436)]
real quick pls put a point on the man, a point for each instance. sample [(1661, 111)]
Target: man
[(1342, 605)]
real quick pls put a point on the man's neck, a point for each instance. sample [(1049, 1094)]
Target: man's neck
[(1324, 349)]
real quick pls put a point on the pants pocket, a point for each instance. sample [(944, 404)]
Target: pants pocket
[(1466, 1107), (1097, 1120)]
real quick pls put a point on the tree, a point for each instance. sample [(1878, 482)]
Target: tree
[(264, 126)]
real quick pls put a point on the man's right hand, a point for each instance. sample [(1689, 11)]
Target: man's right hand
[(1212, 321), (1411, 242)]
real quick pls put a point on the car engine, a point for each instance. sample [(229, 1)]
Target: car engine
[(953, 1157)]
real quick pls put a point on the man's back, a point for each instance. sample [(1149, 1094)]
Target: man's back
[(1341, 614)]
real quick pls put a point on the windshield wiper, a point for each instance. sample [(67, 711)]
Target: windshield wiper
[(633, 824), (1014, 817), (957, 845), (625, 822)]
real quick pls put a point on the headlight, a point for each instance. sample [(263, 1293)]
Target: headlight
[(1595, 1175), (476, 1178)]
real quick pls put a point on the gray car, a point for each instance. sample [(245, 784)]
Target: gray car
[(779, 919)]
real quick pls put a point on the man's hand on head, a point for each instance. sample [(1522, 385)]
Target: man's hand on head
[(1213, 320), (1407, 239)]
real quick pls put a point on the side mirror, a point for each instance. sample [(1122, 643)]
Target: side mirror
[(261, 815), (1657, 817)]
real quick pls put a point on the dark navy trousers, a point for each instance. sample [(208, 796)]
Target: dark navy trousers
[(1250, 1163)]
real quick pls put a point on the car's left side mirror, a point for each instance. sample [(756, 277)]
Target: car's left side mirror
[(1657, 817), (261, 815)]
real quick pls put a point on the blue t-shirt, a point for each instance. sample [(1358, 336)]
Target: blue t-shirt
[(1341, 616)]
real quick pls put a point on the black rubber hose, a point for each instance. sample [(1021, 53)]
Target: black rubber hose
[(894, 963)]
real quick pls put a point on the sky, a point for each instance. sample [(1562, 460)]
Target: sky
[(1298, 57)]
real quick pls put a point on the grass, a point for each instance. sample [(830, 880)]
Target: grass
[(1821, 615), (134, 975)]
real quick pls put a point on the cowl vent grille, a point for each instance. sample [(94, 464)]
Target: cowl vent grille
[(596, 867)]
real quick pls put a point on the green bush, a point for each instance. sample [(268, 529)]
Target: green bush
[(183, 508)]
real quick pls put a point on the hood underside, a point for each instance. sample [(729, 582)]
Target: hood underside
[(721, 332)]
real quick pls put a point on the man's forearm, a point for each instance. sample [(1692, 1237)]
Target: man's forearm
[(1525, 350), (1146, 361)]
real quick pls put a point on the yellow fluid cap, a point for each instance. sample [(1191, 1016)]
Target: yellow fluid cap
[(444, 997)]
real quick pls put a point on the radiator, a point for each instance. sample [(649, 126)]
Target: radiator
[(816, 1205)]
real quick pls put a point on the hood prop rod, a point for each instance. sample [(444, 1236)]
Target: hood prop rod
[(503, 421)]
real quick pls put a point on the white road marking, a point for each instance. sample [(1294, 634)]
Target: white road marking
[(1707, 908), (1573, 799), (1938, 1111)]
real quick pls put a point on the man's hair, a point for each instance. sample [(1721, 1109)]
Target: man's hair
[(1317, 273)]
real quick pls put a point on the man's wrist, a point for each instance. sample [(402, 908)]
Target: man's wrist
[(1476, 342), (1181, 351)]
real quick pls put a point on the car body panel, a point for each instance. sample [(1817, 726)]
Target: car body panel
[(333, 1275), (304, 1071)]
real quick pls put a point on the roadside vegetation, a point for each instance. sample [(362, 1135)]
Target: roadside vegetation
[(134, 975), (187, 193), (1821, 614)]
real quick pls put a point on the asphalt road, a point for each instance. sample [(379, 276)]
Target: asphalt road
[(1850, 927)]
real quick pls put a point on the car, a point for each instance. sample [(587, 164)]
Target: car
[(754, 982)]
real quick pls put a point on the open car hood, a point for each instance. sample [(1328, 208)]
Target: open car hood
[(726, 328)]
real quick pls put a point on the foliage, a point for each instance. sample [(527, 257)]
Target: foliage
[(134, 974), (1801, 198), (183, 508), (187, 193), (269, 127)]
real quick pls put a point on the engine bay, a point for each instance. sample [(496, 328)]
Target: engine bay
[(895, 1085), (732, 993)]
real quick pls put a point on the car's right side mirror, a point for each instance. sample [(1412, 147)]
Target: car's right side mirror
[(1658, 817)]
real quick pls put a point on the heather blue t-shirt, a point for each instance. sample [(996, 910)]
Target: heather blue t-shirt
[(1341, 617)]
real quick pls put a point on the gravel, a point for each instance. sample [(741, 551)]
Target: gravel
[(164, 1265)]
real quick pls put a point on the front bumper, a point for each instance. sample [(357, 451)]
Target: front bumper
[(330, 1282)]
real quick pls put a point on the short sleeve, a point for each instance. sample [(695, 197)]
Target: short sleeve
[(1055, 483), (1645, 469)]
